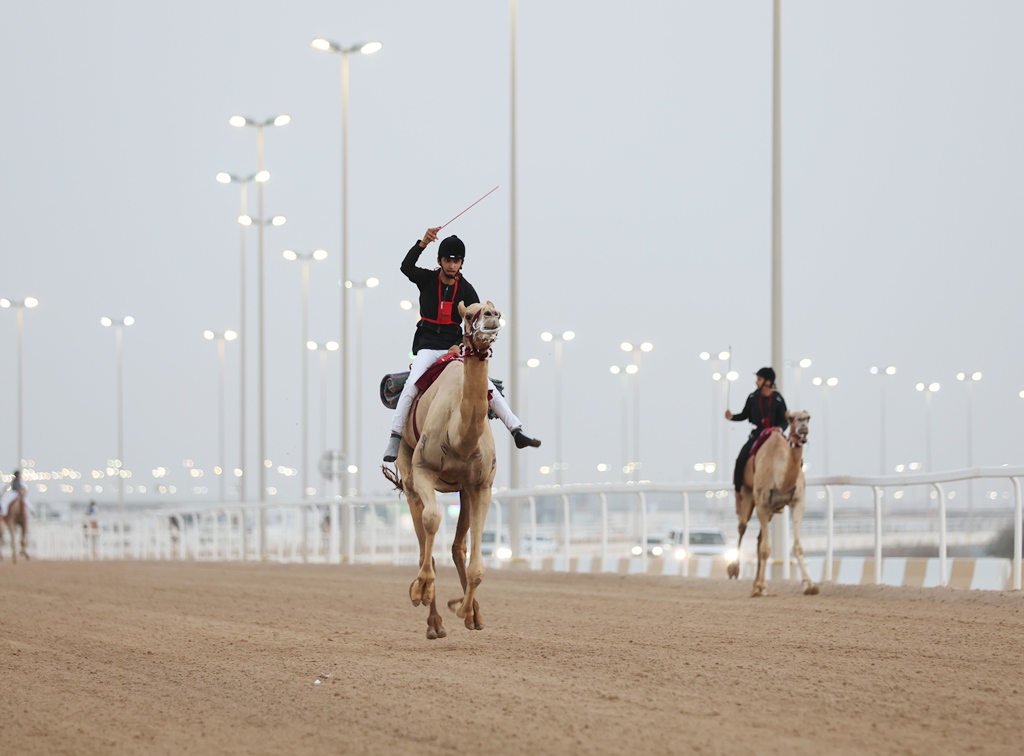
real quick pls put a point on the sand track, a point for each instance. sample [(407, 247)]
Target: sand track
[(114, 658)]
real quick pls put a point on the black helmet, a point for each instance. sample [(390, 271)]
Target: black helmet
[(768, 374), (453, 248)]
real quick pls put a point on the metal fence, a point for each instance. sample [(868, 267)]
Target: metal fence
[(570, 521)]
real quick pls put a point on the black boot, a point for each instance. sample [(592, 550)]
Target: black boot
[(522, 440)]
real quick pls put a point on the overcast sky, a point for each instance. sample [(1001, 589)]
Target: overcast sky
[(644, 213)]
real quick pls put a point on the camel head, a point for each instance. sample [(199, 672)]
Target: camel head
[(480, 325), (798, 427)]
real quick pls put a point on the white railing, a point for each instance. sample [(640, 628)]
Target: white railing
[(378, 529)]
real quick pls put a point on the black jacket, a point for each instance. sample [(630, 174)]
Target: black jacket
[(759, 408), (433, 335)]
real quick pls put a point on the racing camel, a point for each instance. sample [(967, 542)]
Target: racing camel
[(447, 446), (772, 480), (16, 517)]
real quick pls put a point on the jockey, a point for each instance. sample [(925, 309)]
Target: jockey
[(439, 331), (18, 488), (765, 408)]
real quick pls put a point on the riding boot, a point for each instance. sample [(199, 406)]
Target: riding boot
[(522, 440), (391, 453)]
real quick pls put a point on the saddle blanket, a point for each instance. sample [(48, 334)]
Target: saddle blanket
[(391, 384)]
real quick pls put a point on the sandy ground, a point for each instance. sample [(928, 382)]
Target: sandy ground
[(172, 658)]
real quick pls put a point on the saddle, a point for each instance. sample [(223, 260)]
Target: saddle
[(391, 384), (761, 439)]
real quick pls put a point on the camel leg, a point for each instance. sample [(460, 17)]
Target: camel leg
[(810, 589), (459, 543), (422, 588), (746, 509), (764, 550), (477, 501), (435, 629)]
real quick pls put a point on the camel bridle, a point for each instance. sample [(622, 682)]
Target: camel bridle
[(797, 438), (481, 331)]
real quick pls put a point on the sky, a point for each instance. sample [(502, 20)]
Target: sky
[(643, 195)]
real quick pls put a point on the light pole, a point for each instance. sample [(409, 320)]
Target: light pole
[(241, 122), (305, 258), (221, 338), (228, 178), (636, 349), (716, 418), (323, 349), (20, 306), (119, 324), (366, 48), (928, 389), (360, 287), (520, 461), (559, 340), (798, 368), (625, 371), (825, 384), (882, 373), (970, 379)]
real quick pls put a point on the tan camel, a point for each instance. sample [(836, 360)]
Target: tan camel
[(447, 446), (772, 480), (17, 517)]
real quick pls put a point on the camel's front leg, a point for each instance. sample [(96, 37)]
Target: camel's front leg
[(764, 551), (746, 509), (422, 588), (810, 589), (477, 501)]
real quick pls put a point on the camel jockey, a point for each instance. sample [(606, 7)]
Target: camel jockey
[(765, 408), (18, 488), (439, 331)]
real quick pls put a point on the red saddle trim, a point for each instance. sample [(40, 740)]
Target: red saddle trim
[(760, 440), (430, 374)]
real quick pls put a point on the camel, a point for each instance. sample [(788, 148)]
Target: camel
[(17, 516), (772, 480), (447, 446)]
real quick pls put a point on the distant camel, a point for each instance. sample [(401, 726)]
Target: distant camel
[(447, 446), (772, 480), (16, 516)]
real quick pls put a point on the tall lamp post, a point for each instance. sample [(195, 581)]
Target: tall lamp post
[(323, 349), (305, 258), (360, 287), (637, 350), (366, 48), (559, 340), (798, 368), (716, 418), (928, 389), (221, 338), (520, 461), (20, 306), (241, 122), (244, 181), (826, 384), (625, 371), (119, 324), (970, 379), (882, 373)]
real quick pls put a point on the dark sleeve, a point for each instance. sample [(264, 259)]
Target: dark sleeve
[(411, 270), (467, 294), (746, 410), (780, 412)]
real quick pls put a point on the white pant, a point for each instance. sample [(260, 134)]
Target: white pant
[(423, 360)]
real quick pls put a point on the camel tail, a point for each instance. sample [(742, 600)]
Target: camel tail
[(392, 475)]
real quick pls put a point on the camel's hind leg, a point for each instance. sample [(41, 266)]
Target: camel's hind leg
[(477, 501), (459, 552), (746, 509), (810, 589)]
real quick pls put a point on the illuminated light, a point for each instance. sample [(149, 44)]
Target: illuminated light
[(268, 464), (321, 44), (333, 346), (602, 467), (709, 494), (716, 376), (319, 254), (615, 370), (405, 304), (873, 370), (832, 381), (532, 362), (312, 346), (546, 336), (846, 494), (224, 178), (238, 121), (262, 177), (699, 467), (353, 469), (278, 220), (568, 335), (238, 473), (230, 335), (705, 355), (710, 467), (245, 220), (721, 355), (282, 120), (545, 470), (371, 283), (732, 375), (291, 255), (370, 48), (209, 335), (805, 363), (816, 381)]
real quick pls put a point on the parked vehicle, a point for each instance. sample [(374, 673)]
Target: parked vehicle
[(703, 542)]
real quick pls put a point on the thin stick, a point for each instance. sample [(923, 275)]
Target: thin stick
[(490, 192), (728, 383)]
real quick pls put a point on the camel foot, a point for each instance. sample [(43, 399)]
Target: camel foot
[(434, 629), (421, 591), (733, 570), (812, 590), (473, 619), (758, 592)]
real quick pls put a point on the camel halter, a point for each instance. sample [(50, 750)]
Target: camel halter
[(486, 334), (796, 440)]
